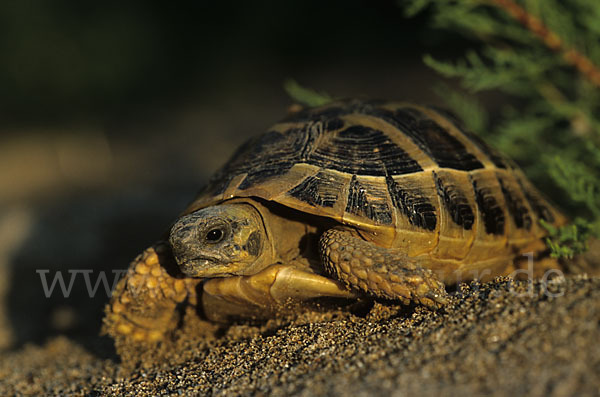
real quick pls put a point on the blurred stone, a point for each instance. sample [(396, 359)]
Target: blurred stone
[(63, 318), (14, 228)]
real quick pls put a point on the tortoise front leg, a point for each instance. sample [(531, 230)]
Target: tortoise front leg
[(379, 271), (142, 308)]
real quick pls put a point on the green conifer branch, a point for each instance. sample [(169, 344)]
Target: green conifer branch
[(543, 55), (552, 40), (305, 96)]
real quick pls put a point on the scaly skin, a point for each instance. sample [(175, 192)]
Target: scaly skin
[(143, 305), (379, 271)]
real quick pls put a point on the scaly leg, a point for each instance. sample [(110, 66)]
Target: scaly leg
[(382, 272), (143, 305)]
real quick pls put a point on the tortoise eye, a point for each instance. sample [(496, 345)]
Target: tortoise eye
[(214, 235)]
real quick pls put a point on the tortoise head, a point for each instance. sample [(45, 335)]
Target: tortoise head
[(219, 241)]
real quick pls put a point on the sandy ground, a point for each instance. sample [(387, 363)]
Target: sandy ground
[(493, 339)]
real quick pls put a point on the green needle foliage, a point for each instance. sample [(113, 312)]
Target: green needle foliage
[(551, 125), (305, 96)]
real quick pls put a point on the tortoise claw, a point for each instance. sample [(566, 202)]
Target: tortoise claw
[(440, 299)]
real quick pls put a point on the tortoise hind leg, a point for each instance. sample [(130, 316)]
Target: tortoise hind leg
[(382, 272)]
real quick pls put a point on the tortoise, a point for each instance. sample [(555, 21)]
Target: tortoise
[(355, 198)]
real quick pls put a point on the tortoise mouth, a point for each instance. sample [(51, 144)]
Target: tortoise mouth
[(203, 267), (196, 266)]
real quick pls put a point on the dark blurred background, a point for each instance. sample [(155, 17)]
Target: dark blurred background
[(113, 114)]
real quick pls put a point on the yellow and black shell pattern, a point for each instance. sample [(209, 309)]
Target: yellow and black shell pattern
[(406, 176)]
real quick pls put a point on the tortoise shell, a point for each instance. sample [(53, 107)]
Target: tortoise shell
[(404, 175)]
